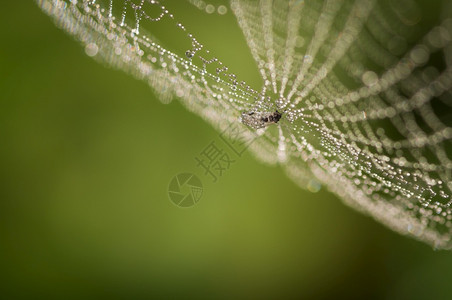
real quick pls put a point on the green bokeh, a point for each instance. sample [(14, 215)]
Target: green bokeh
[(86, 157)]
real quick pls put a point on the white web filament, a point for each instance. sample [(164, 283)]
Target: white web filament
[(365, 87)]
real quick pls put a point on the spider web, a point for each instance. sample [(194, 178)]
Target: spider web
[(365, 87)]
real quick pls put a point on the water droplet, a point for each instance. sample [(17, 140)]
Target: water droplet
[(222, 9), (308, 59), (189, 54), (91, 49), (419, 55), (369, 78), (210, 8), (314, 186)]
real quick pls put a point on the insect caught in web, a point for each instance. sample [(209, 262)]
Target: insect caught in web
[(258, 120)]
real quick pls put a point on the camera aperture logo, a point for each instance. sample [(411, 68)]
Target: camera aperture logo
[(185, 190)]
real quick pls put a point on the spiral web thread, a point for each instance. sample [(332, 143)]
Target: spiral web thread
[(365, 87)]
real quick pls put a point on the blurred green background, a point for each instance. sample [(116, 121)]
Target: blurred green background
[(87, 153)]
